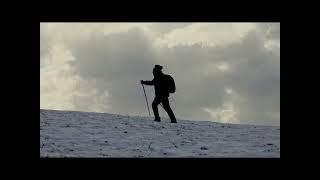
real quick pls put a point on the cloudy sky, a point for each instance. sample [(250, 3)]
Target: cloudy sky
[(224, 72)]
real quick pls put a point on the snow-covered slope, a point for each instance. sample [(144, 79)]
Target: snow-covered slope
[(84, 134)]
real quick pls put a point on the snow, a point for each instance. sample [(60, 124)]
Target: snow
[(88, 134)]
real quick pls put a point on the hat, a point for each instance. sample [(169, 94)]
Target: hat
[(157, 68)]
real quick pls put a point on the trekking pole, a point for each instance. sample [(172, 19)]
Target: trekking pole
[(146, 99)]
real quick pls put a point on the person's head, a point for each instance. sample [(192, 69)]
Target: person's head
[(157, 70)]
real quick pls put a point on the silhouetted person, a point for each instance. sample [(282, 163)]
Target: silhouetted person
[(160, 83)]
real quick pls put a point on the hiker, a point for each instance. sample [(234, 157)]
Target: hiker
[(161, 82)]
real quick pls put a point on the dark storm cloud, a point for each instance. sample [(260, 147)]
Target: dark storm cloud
[(254, 75), (118, 62), (257, 79)]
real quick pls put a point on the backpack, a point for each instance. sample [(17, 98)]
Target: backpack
[(171, 84)]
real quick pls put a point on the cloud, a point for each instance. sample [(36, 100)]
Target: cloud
[(165, 28), (236, 78), (117, 63), (61, 88), (211, 33)]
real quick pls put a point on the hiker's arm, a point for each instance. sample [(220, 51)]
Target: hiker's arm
[(150, 83)]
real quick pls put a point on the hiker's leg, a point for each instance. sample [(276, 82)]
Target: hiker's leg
[(155, 104), (166, 106)]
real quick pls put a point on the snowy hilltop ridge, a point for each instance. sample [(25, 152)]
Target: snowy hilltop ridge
[(87, 134)]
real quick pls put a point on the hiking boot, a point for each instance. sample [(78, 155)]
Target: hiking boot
[(157, 119), (173, 119)]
